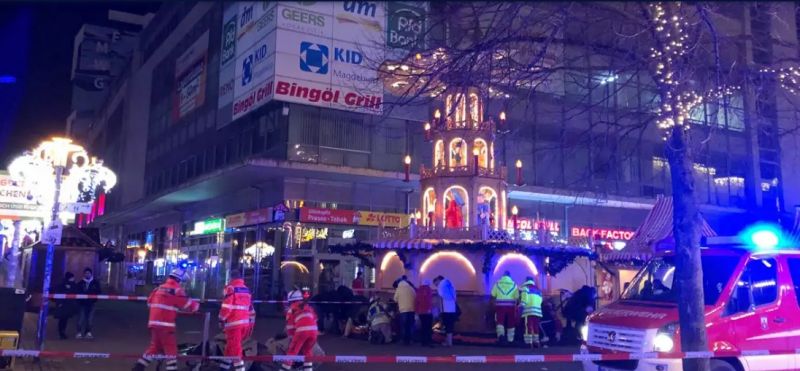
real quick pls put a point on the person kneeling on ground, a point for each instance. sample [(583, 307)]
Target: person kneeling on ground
[(380, 323)]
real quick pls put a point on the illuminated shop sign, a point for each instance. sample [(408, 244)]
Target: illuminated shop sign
[(603, 233), (208, 226)]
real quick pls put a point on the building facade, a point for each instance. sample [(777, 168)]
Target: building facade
[(229, 153)]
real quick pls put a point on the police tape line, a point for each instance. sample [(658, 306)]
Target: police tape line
[(144, 298), (512, 358)]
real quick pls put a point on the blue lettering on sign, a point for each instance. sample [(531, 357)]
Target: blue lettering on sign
[(247, 15), (366, 8), (347, 56)]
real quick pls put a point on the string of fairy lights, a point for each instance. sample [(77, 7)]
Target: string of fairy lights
[(668, 55)]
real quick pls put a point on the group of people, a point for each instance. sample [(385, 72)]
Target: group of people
[(412, 303), (236, 318), (83, 308), (525, 302)]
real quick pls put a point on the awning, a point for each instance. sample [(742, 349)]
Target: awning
[(655, 230)]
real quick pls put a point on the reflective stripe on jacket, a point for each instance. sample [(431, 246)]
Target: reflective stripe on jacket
[(301, 319), (237, 305), (531, 301), (166, 301), (505, 292)]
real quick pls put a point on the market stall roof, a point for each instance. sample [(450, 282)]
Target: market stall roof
[(438, 244), (655, 230), (73, 236)]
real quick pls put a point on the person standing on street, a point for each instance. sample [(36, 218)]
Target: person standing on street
[(424, 308), (165, 302), (237, 317), (88, 286), (301, 323), (531, 302), (404, 296), (66, 308), (505, 295), (447, 293)]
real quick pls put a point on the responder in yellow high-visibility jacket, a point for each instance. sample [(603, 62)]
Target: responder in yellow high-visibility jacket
[(531, 302), (505, 295)]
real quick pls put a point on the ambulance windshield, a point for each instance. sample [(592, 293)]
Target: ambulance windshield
[(655, 281)]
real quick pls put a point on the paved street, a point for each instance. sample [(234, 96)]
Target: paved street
[(120, 328)]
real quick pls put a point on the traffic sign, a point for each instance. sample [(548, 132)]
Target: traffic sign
[(76, 207), (52, 234)]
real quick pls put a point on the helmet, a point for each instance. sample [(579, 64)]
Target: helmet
[(294, 295), (178, 274)]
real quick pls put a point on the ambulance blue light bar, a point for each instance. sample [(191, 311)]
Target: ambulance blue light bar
[(761, 236)]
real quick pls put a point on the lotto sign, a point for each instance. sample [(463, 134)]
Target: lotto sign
[(392, 220)]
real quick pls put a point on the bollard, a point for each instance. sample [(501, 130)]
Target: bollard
[(206, 323)]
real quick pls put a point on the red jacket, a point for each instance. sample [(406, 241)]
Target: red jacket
[(166, 301), (423, 302), (237, 305), (300, 319)]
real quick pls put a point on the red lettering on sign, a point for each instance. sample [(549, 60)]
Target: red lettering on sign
[(602, 233)]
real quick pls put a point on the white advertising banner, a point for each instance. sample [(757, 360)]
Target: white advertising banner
[(361, 22), (14, 201), (255, 70), (191, 71), (317, 53), (227, 64)]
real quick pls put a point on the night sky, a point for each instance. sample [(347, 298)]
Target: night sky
[(36, 42)]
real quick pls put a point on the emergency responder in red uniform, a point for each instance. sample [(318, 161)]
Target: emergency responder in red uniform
[(301, 325), (165, 302), (237, 317)]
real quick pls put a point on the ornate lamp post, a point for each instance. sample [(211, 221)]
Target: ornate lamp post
[(61, 176), (407, 168)]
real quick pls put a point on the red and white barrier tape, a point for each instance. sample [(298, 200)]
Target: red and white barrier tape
[(512, 358), (144, 298)]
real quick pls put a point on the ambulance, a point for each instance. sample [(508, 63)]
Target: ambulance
[(751, 286)]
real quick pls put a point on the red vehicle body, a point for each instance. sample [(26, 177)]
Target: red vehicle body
[(751, 304)]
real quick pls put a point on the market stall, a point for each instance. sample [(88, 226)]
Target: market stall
[(615, 268)]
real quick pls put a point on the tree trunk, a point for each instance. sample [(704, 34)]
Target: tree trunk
[(12, 264), (686, 230)]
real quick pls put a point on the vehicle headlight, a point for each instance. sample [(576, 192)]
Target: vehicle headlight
[(663, 343), (665, 338), (585, 332)]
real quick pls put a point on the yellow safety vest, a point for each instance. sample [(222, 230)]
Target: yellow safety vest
[(505, 292), (531, 301)]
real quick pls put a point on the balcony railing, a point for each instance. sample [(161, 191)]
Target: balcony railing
[(474, 233), (498, 172), (449, 124)]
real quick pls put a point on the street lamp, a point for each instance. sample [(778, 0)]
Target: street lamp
[(407, 167), (518, 165), (514, 212), (428, 132), (476, 153), (62, 177)]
